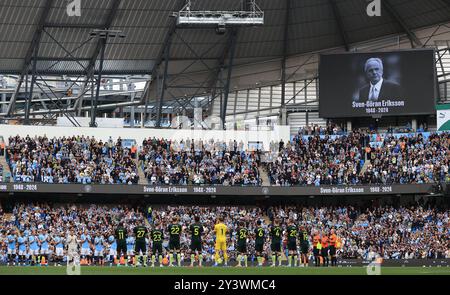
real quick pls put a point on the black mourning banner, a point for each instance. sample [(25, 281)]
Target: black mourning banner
[(377, 84)]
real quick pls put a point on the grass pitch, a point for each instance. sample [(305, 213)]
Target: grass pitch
[(106, 270)]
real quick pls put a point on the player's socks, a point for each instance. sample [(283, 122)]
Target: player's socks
[(179, 259), (290, 260), (192, 259), (225, 258), (239, 259), (153, 260), (160, 259), (200, 259), (145, 260), (245, 261), (295, 260), (171, 259), (274, 260)]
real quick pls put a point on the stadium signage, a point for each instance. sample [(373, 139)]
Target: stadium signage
[(215, 190)]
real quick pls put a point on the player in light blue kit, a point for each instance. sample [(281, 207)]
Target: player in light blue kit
[(43, 242), (112, 250), (11, 252), (22, 241), (86, 247), (34, 247), (59, 250), (99, 249), (130, 246)]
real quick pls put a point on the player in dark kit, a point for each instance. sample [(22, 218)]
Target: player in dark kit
[(196, 230), (260, 234), (174, 240), (304, 246), (292, 233), (140, 246), (242, 234), (157, 237), (121, 237), (275, 234)]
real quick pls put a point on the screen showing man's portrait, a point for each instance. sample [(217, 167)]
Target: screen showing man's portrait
[(368, 84)]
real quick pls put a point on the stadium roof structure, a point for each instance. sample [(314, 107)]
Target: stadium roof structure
[(39, 38)]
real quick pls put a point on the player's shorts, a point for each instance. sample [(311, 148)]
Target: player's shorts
[(98, 252), (85, 251), (22, 252), (112, 252), (140, 247), (304, 248), (275, 247), (242, 247), (44, 251), (220, 246), (33, 251), (332, 250), (11, 251), (292, 245), (324, 252), (174, 245), (316, 251), (259, 247), (59, 252), (196, 246), (157, 247), (121, 248)]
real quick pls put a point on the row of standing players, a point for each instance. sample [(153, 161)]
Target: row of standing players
[(324, 246)]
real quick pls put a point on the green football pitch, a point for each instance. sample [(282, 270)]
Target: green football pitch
[(106, 270)]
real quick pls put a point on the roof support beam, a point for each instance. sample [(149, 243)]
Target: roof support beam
[(340, 24), (228, 81), (31, 50), (90, 69), (159, 59), (164, 86), (285, 48), (412, 37)]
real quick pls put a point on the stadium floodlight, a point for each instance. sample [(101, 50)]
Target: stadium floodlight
[(221, 19)]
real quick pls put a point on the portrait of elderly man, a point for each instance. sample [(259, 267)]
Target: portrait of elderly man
[(378, 88)]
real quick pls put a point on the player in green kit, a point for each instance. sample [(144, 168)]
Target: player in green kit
[(275, 234), (242, 234), (196, 230), (260, 235), (174, 240), (121, 237), (157, 237), (292, 233), (304, 246), (140, 247)]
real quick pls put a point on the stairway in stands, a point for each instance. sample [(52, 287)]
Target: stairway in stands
[(142, 178), (264, 175), (364, 167), (6, 169)]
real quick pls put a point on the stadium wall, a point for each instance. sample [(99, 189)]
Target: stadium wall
[(278, 133)]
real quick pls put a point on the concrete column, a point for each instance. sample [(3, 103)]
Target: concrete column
[(283, 117), (349, 126), (414, 124)]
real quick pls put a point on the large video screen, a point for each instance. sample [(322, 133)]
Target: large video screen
[(377, 84)]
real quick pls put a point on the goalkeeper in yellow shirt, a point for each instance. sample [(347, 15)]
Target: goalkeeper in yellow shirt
[(221, 241)]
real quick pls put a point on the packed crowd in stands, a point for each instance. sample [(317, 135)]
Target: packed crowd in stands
[(76, 159), (340, 160), (419, 231), (196, 163)]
